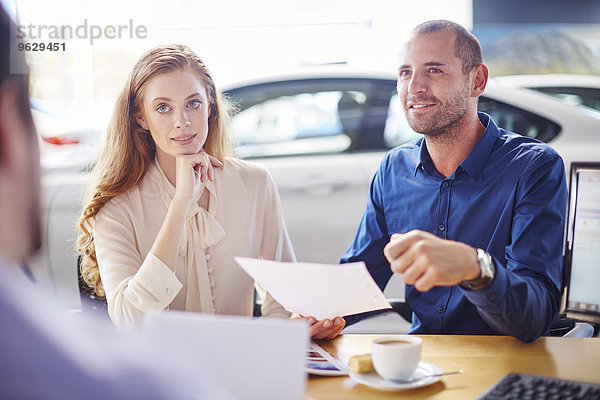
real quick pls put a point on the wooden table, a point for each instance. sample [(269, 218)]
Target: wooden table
[(484, 359)]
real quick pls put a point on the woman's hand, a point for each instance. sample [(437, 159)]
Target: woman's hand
[(192, 171), (323, 329)]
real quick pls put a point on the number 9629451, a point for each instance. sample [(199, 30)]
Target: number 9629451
[(42, 46)]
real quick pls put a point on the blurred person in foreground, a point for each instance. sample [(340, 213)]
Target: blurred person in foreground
[(169, 207), (470, 215), (46, 353)]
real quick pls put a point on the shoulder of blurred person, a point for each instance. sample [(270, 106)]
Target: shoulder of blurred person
[(52, 353)]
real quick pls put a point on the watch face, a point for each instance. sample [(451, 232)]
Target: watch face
[(486, 265), (488, 270)]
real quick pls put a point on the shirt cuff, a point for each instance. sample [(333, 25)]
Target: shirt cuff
[(159, 280), (491, 295)]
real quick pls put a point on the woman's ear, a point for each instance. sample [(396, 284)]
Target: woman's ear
[(141, 122)]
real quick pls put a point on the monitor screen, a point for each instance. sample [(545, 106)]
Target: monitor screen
[(582, 256)]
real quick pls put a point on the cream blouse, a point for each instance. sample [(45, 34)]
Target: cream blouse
[(244, 218)]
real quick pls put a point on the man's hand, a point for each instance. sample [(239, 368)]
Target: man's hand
[(323, 329), (424, 260)]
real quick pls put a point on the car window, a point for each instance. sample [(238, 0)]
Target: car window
[(518, 120), (292, 118), (589, 97)]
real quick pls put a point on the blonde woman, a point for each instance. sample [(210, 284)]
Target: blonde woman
[(161, 226)]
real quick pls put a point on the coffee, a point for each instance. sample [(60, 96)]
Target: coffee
[(394, 342)]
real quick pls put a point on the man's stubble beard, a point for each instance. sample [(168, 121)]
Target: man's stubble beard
[(444, 125)]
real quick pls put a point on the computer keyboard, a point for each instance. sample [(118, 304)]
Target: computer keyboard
[(525, 386)]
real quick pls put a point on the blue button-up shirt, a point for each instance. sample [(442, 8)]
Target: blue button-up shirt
[(507, 197)]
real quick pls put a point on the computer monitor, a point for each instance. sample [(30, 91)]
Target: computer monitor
[(581, 281)]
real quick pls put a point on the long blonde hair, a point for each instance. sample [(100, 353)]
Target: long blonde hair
[(129, 150)]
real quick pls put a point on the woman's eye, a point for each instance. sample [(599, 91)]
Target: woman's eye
[(404, 73), (163, 108), (194, 104)]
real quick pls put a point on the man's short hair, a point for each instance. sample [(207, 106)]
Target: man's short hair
[(468, 49)]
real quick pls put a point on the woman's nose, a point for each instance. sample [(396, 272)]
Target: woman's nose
[(183, 120)]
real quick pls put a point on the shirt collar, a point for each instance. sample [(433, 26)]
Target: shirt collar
[(423, 158), (475, 161)]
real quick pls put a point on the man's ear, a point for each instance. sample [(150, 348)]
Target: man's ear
[(480, 79), (10, 125), (141, 121)]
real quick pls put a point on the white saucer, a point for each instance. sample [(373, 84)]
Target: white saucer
[(325, 372), (420, 378)]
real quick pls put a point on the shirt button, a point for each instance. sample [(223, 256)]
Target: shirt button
[(440, 309), (212, 285), (214, 298), (207, 257), (210, 270), (441, 227), (445, 184)]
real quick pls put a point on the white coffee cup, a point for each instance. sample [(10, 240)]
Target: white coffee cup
[(396, 357)]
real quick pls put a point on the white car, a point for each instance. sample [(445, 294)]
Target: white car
[(582, 90), (322, 136)]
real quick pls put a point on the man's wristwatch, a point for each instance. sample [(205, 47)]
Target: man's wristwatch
[(488, 271)]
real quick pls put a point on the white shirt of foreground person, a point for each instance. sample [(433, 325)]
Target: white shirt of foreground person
[(46, 353), (244, 218)]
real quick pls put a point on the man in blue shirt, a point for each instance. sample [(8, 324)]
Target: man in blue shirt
[(471, 215)]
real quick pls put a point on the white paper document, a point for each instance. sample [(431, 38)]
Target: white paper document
[(320, 290)]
